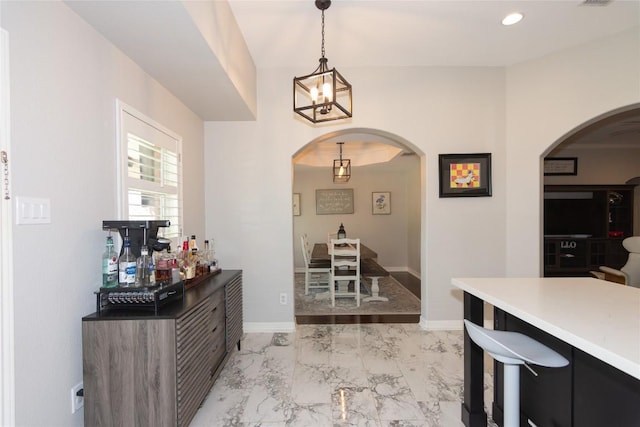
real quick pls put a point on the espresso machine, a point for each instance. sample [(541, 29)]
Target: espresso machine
[(140, 233)]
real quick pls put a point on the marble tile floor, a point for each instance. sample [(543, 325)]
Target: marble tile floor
[(341, 375)]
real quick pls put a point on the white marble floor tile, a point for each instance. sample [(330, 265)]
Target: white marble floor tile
[(354, 406), (342, 375), (311, 384)]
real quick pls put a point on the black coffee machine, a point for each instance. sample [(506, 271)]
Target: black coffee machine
[(140, 233)]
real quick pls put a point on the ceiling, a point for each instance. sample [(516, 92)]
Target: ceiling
[(366, 33), (162, 37)]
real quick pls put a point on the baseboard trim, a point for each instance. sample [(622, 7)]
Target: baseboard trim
[(402, 270), (268, 327), (440, 325), (413, 273)]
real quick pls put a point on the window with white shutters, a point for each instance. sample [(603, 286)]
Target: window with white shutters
[(150, 171)]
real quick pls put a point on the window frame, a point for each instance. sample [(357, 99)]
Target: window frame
[(124, 182)]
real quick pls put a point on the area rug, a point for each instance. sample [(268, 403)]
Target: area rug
[(318, 301)]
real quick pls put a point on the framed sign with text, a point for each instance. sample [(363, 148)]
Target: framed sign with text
[(334, 201), (561, 166)]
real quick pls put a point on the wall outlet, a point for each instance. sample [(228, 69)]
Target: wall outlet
[(283, 298), (77, 397)]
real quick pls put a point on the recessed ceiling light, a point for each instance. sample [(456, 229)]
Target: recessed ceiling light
[(512, 18)]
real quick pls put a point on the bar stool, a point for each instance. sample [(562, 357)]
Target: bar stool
[(513, 349)]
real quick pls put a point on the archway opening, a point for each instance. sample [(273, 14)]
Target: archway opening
[(591, 198), (394, 234)]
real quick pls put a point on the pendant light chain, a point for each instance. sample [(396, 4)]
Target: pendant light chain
[(323, 33)]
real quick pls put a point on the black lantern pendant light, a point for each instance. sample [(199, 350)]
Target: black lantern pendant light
[(341, 168), (323, 95)]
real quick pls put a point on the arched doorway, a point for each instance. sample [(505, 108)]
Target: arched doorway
[(381, 162), (590, 207)]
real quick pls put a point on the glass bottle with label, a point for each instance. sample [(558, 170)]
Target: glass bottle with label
[(142, 268), (163, 269), (127, 265), (109, 265)]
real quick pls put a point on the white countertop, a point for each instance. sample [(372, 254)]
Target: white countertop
[(600, 318)]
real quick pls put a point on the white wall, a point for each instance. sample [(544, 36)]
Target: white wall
[(65, 79), (386, 234), (546, 100), (414, 230)]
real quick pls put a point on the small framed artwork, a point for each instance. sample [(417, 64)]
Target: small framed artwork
[(381, 202), (296, 204), (465, 175), (561, 166)]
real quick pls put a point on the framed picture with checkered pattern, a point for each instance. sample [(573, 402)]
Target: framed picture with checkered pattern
[(465, 175)]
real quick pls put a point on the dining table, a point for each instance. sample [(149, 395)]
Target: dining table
[(320, 253)]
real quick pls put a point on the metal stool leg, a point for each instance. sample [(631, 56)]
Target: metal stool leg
[(511, 395)]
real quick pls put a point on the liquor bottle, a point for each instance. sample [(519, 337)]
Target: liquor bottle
[(109, 265), (163, 269), (142, 268), (185, 261), (213, 261), (127, 265), (204, 259)]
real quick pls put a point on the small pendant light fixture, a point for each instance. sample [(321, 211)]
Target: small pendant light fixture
[(323, 95), (341, 168)]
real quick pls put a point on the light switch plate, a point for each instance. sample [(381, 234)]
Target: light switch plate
[(32, 210)]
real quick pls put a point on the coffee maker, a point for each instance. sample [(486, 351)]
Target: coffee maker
[(140, 233)]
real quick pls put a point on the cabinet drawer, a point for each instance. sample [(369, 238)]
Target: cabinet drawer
[(194, 346)]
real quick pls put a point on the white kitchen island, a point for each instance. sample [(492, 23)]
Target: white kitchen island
[(597, 323)]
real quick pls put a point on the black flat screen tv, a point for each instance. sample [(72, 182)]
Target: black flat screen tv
[(581, 213)]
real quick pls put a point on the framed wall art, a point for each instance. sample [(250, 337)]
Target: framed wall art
[(334, 202), (561, 166), (465, 175), (296, 204), (381, 202)]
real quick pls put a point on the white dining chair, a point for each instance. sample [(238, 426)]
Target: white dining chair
[(345, 269), (316, 275)]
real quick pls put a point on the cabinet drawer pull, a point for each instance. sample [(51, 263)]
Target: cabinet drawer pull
[(214, 329), (531, 423)]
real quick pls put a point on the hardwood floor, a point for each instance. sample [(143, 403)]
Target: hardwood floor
[(409, 281)]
